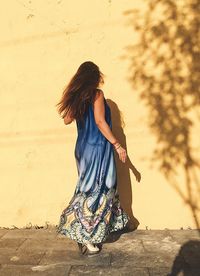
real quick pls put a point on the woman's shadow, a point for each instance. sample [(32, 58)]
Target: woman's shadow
[(124, 187), (187, 259)]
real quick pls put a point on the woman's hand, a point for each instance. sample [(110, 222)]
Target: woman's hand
[(122, 154)]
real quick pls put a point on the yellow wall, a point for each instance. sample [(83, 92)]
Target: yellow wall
[(42, 44)]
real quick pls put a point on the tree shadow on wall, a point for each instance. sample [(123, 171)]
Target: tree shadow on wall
[(165, 70), (124, 186)]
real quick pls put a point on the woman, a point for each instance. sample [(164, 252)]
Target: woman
[(94, 210)]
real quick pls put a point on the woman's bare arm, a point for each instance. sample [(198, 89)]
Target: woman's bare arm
[(99, 115)]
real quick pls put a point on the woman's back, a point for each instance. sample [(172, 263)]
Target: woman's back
[(89, 133)]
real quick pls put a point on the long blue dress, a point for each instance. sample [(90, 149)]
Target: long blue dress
[(94, 210)]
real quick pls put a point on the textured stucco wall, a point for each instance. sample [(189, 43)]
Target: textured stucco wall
[(42, 44)]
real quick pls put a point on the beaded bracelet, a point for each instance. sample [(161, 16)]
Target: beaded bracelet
[(115, 142), (118, 147)]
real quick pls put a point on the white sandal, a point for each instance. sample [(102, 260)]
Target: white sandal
[(89, 248), (92, 247)]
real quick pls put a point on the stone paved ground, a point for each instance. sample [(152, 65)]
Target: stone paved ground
[(41, 252)]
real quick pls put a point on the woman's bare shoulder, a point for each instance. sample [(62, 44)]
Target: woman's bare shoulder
[(99, 93)]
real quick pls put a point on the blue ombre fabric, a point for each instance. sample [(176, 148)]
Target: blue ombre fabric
[(94, 210)]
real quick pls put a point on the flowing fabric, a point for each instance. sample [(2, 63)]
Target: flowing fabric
[(94, 210)]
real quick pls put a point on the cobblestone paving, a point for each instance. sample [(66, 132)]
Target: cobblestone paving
[(42, 252)]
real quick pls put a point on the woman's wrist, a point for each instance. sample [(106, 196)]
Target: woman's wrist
[(116, 144), (116, 141)]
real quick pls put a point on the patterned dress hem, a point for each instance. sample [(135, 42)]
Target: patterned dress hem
[(118, 224)]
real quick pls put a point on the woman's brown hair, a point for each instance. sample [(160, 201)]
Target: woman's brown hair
[(80, 91)]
